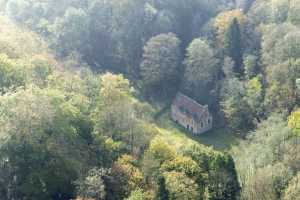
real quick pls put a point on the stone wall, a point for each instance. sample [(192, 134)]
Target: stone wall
[(189, 123)]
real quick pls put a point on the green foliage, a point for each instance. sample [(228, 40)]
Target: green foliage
[(71, 31), (60, 123), (223, 22), (17, 9), (32, 139), (11, 74), (118, 115), (161, 151), (233, 45), (200, 62), (254, 96), (280, 98), (41, 70), (227, 68), (136, 195), (182, 164), (251, 66), (293, 15), (114, 106), (235, 107), (280, 10), (92, 186), (162, 192), (161, 63), (125, 177), (111, 34), (180, 186), (200, 69), (219, 170), (265, 162), (128, 166), (267, 182)]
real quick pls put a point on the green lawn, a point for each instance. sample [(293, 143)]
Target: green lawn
[(220, 139)]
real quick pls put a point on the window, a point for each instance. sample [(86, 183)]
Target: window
[(201, 124), (208, 121)]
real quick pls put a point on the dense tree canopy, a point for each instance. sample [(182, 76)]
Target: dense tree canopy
[(86, 87), (201, 69), (161, 66)]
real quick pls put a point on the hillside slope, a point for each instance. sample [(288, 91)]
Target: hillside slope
[(68, 133)]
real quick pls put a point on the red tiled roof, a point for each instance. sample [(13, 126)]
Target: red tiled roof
[(190, 107)]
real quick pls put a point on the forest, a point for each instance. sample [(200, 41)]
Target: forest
[(86, 88)]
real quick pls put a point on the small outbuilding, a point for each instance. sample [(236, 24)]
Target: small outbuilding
[(191, 115)]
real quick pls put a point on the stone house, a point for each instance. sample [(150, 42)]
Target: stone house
[(193, 116)]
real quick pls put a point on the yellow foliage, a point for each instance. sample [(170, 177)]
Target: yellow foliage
[(111, 144), (280, 97), (182, 164), (161, 150), (17, 42), (135, 176), (254, 87), (294, 122), (293, 190), (180, 186), (112, 82), (224, 19)]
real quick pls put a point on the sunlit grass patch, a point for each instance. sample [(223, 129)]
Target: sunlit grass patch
[(220, 139)]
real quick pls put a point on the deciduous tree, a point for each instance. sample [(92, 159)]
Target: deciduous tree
[(161, 63)]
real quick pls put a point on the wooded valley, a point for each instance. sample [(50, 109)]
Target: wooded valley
[(86, 88)]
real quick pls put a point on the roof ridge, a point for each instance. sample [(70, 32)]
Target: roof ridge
[(194, 101)]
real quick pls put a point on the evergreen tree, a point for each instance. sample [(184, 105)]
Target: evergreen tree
[(233, 45), (162, 192)]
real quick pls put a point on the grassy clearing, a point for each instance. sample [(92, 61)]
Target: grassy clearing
[(176, 135)]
